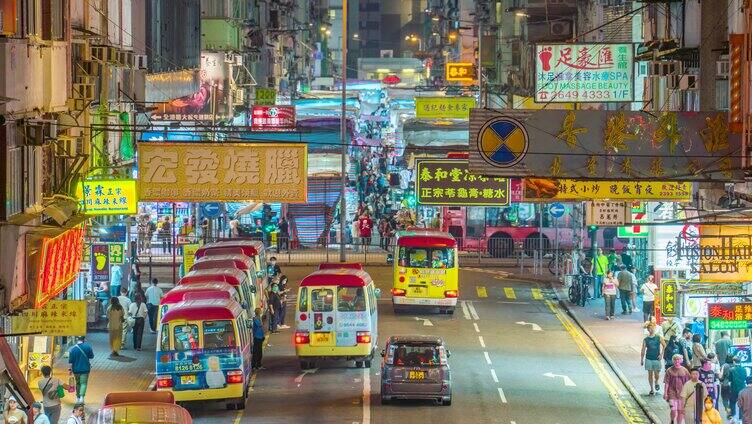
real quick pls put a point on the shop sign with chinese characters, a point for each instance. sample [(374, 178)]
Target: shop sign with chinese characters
[(584, 73), (443, 107), (226, 172), (108, 197), (448, 182), (460, 71), (265, 97), (604, 145), (58, 263), (272, 118), (608, 214), (100, 262), (189, 256), (544, 189), (729, 316), (669, 298), (724, 252), (116, 253), (56, 318)]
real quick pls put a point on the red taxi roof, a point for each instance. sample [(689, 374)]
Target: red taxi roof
[(337, 277), (179, 292), (425, 238), (204, 309), (223, 261), (230, 276), (340, 265), (245, 247)]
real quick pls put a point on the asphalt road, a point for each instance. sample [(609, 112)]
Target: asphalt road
[(516, 358)]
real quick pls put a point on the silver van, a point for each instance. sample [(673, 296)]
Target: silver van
[(416, 367)]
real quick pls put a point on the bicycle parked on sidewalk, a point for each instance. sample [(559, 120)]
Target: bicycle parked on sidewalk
[(579, 290)]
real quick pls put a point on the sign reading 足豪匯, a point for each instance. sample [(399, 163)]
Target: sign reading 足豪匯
[(460, 71), (608, 214), (100, 262), (108, 197), (669, 298), (265, 97), (443, 107), (729, 316), (56, 318), (590, 145), (584, 73), (227, 172), (448, 182)]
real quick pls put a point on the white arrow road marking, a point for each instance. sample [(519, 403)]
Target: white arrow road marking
[(473, 312), (465, 311), (567, 381), (299, 379), (426, 322), (535, 327)]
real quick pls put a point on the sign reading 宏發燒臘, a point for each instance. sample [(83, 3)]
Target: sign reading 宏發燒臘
[(448, 182), (584, 73), (227, 172)]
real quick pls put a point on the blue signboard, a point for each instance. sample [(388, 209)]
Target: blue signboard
[(211, 210), (556, 210), (112, 234)]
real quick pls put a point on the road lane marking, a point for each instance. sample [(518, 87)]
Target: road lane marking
[(513, 302), (481, 291), (509, 292), (488, 358), (366, 396), (475, 325), (494, 376), (537, 295), (501, 395), (533, 325), (627, 410), (567, 381), (299, 379), (482, 342), (473, 312), (465, 311), (426, 321)]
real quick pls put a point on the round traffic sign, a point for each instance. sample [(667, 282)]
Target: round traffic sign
[(211, 210), (556, 210)]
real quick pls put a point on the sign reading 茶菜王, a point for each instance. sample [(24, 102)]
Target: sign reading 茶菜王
[(444, 107), (460, 71), (265, 96), (669, 298), (604, 145), (729, 316), (108, 197), (545, 189), (584, 73), (226, 172), (448, 182), (56, 318)]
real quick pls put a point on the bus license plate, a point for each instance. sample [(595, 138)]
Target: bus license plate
[(321, 338), (188, 379), (417, 291), (416, 375)]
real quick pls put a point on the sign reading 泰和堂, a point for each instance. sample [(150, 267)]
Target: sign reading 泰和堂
[(227, 172), (729, 316), (448, 182)]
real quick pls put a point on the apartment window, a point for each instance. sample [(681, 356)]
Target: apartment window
[(23, 162), (30, 16), (53, 14)]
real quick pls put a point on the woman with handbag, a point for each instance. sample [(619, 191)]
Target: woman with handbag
[(52, 391)]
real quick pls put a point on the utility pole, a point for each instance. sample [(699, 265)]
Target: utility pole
[(343, 137)]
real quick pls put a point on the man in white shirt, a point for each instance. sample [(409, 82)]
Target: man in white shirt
[(125, 302), (153, 296)]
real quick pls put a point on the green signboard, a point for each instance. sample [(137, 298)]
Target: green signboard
[(265, 96), (116, 252), (715, 324), (669, 299), (448, 182)]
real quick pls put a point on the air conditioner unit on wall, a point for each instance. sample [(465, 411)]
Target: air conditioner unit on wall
[(561, 28), (99, 53), (37, 131), (663, 68), (68, 147)]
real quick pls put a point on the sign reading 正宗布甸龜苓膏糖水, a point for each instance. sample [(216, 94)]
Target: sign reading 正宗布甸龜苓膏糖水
[(448, 182), (584, 73)]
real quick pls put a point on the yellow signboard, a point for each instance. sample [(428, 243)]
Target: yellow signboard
[(444, 107), (528, 103), (108, 197), (234, 172), (542, 189), (460, 71), (725, 253), (56, 318), (189, 256)]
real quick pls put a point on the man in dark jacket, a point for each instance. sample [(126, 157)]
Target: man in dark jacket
[(625, 289), (79, 358)]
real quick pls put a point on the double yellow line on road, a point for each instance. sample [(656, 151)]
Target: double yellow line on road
[(627, 409)]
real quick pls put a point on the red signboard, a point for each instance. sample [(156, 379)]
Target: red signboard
[(730, 311), (272, 118), (59, 264), (391, 80)]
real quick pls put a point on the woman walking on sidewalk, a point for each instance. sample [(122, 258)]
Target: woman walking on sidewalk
[(139, 312), (648, 298), (610, 285), (115, 319), (674, 381), (651, 358), (13, 414)]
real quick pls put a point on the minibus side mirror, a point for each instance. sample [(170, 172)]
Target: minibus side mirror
[(389, 258), (383, 353), (377, 293)]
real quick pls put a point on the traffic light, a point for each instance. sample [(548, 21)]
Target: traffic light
[(592, 230)]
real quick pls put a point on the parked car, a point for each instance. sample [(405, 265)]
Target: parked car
[(416, 367)]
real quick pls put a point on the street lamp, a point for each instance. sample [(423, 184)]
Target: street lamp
[(414, 38)]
